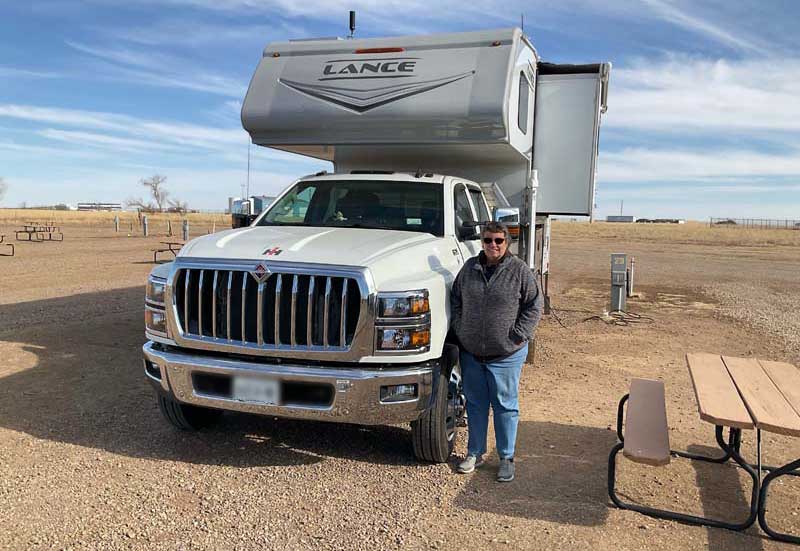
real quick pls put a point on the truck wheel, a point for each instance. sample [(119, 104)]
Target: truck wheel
[(434, 434), (185, 416)]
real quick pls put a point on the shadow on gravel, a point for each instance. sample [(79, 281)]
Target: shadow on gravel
[(88, 388), (725, 494), (561, 476)]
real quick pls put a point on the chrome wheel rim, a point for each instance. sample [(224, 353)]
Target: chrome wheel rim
[(456, 402)]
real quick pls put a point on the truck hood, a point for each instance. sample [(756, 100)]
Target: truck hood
[(336, 246)]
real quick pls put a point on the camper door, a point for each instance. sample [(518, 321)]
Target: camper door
[(569, 102)]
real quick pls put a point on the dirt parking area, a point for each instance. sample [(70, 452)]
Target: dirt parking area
[(86, 462)]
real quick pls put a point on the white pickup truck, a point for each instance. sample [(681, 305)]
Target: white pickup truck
[(334, 304)]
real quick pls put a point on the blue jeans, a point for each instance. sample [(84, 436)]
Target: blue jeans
[(495, 384)]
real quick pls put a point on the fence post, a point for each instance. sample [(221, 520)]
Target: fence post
[(144, 225), (186, 230), (116, 224), (169, 227)]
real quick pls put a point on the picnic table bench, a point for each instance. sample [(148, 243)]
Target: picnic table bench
[(733, 393), (167, 246), (2, 238)]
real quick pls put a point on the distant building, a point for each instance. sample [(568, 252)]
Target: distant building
[(618, 218), (99, 206)]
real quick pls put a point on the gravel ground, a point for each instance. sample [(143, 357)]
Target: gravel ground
[(87, 462), (774, 313)]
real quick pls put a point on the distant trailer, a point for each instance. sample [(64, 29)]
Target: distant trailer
[(99, 206), (618, 218)]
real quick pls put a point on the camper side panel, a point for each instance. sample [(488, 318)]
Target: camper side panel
[(567, 123)]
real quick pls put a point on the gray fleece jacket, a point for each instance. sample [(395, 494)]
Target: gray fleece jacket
[(494, 318)]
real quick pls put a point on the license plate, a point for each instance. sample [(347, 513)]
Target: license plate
[(256, 390)]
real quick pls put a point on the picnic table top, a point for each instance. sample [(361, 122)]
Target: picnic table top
[(39, 227), (746, 393)]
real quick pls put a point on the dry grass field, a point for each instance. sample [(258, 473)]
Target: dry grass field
[(689, 233), (15, 217), (87, 462)]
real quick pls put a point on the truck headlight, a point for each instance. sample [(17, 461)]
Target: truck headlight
[(403, 304), (403, 323), (155, 320), (404, 338), (155, 316), (155, 291)]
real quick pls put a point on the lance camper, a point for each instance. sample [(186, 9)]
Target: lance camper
[(333, 304)]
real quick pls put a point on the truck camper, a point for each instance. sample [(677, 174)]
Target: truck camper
[(334, 304)]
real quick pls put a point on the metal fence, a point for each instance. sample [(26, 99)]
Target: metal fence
[(757, 223)]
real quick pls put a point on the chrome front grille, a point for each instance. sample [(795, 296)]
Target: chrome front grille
[(291, 311)]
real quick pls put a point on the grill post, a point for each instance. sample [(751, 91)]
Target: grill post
[(326, 312), (310, 313), (278, 309)]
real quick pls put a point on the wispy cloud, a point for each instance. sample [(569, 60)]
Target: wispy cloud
[(39, 151), (685, 93), (72, 117), (14, 72), (193, 32), (639, 165), (125, 133), (673, 14), (157, 69), (105, 141)]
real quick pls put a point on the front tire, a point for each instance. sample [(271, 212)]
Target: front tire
[(434, 434), (186, 417)]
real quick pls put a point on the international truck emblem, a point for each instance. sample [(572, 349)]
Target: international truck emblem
[(261, 272), (360, 99), (273, 251)]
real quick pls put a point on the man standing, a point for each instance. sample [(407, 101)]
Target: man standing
[(495, 307)]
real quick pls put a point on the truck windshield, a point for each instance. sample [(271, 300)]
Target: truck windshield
[(379, 204)]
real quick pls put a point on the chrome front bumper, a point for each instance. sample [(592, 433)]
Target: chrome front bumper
[(354, 392)]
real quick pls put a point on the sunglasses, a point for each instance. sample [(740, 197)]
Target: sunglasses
[(497, 240)]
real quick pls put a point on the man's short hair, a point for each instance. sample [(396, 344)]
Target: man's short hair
[(495, 227)]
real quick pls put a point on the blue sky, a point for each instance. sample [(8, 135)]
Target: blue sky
[(703, 120)]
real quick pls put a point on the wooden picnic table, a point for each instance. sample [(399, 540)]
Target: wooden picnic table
[(746, 394), (168, 246), (37, 231)]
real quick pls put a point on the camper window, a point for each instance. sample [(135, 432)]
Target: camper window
[(522, 109), (407, 206)]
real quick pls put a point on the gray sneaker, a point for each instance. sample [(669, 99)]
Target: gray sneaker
[(469, 464), (506, 471)]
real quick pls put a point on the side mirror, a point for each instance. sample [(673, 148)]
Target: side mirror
[(510, 217), (469, 230), (507, 215)]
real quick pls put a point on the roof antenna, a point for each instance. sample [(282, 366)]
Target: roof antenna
[(522, 21), (352, 22)]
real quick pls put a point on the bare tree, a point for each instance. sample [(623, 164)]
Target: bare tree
[(3, 188), (178, 206), (140, 204), (156, 186)]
